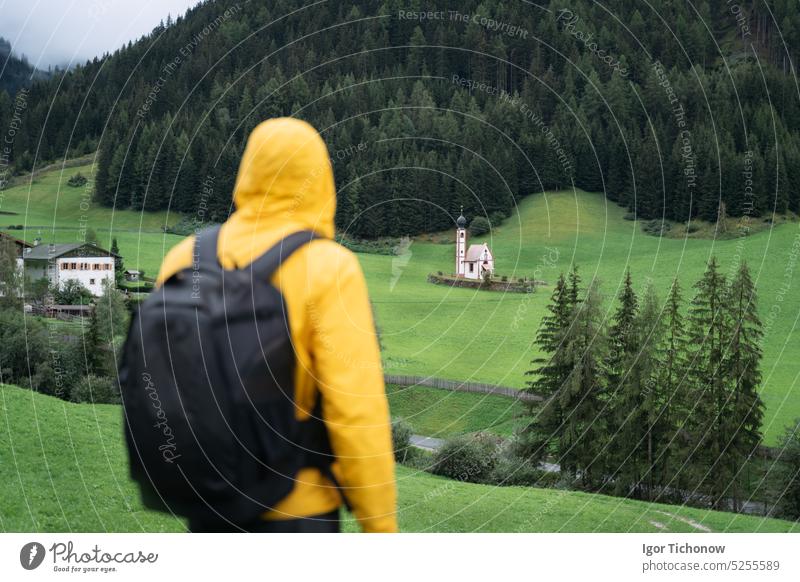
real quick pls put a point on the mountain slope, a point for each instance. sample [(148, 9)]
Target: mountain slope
[(63, 468), (426, 114)]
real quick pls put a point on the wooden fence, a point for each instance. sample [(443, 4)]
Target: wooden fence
[(456, 386)]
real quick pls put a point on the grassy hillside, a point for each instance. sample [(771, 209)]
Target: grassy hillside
[(442, 414), (464, 334), (473, 335), (50, 208), (63, 468)]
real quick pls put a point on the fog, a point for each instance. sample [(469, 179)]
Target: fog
[(68, 32)]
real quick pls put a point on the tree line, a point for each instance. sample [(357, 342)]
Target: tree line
[(74, 361), (661, 403), (424, 116)]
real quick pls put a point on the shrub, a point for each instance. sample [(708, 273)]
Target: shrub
[(497, 217), (479, 226), (401, 439), (467, 458), (629, 216), (77, 180), (788, 474), (24, 342), (656, 227), (186, 226), (72, 292), (374, 247), (504, 279), (419, 459), (512, 470), (96, 389)]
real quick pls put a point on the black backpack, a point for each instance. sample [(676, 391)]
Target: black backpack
[(207, 382)]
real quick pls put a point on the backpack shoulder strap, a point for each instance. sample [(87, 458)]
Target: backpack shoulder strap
[(267, 263), (205, 248)]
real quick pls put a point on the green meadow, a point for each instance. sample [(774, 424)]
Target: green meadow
[(58, 213), (444, 414), (463, 334), (63, 467)]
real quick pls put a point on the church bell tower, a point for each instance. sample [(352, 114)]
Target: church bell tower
[(461, 243)]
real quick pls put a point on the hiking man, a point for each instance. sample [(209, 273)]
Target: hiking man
[(285, 184)]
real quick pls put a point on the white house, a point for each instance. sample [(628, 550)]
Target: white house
[(475, 261), (87, 263)]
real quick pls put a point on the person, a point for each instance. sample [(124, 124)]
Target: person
[(285, 184)]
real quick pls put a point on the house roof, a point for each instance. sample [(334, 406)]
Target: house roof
[(51, 251), (15, 239), (474, 252)]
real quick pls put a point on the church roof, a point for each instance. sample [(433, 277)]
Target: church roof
[(474, 252)]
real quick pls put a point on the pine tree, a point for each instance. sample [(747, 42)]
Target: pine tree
[(573, 289), (104, 183), (622, 337), (624, 441), (93, 346), (669, 391), (551, 371), (743, 356), (656, 415), (708, 426), (579, 398)]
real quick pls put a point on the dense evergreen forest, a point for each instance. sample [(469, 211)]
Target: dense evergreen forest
[(674, 109), (655, 404), (15, 74)]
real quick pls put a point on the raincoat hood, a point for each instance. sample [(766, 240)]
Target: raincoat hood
[(285, 184), (285, 178)]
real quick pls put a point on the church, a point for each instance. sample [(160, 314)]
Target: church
[(473, 262)]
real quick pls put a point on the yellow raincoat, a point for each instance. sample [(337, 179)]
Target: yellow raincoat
[(285, 184)]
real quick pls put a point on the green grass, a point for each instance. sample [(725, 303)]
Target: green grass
[(57, 212), (444, 414), (63, 468), (435, 504), (50, 201), (144, 251), (464, 334)]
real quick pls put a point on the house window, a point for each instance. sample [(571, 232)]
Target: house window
[(472, 267), (462, 234), (91, 281)]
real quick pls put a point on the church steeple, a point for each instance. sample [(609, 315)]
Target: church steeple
[(461, 243), (461, 222)]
